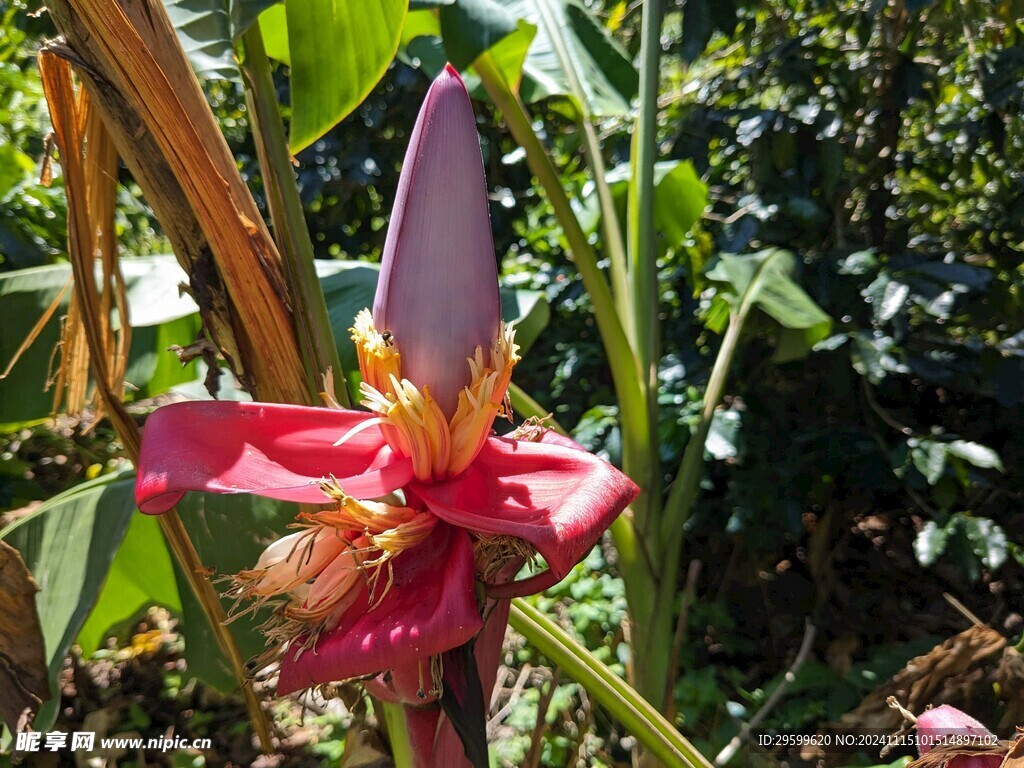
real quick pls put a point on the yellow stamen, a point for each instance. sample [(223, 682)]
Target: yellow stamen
[(484, 400), (371, 517), (414, 426), (413, 423), (321, 571), (379, 359)]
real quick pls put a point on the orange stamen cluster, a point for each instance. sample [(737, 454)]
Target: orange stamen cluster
[(412, 422), (321, 570), (378, 357)]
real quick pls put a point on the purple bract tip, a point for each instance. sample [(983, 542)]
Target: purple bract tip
[(438, 289)]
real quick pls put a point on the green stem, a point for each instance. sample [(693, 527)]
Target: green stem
[(651, 622), (637, 714), (612, 229), (313, 329), (644, 272), (655, 628), (643, 244), (592, 147), (623, 363), (398, 733), (643, 250)]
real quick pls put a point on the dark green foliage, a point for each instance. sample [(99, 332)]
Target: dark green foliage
[(885, 147), (851, 483)]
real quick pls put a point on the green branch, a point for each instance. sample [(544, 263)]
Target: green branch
[(636, 714), (640, 220), (592, 147)]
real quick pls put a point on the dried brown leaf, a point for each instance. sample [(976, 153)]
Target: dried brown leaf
[(135, 66), (90, 343), (937, 677), (1015, 754), (937, 757), (23, 674)]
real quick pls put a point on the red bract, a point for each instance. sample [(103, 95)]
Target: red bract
[(374, 585), (558, 499)]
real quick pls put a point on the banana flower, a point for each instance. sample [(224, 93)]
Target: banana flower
[(422, 502), (968, 743)]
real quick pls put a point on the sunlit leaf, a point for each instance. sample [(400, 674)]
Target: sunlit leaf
[(767, 279), (725, 435), (930, 543), (140, 576), (15, 165), (974, 453), (506, 27), (274, 28), (987, 539), (68, 544), (929, 456), (338, 53), (679, 198)]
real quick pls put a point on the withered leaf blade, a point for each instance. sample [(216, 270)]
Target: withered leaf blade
[(23, 676), (943, 755), (363, 749), (935, 677), (1015, 756)]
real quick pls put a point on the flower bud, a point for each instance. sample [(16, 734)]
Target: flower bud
[(438, 288), (948, 725)]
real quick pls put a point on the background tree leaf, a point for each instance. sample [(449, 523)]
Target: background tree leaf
[(974, 453), (229, 533), (930, 543), (69, 543), (470, 27), (338, 52), (207, 29), (606, 74), (725, 436), (141, 575), (767, 278), (988, 540), (274, 28), (680, 198)]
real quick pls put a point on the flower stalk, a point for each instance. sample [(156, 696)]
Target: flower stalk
[(637, 714)]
